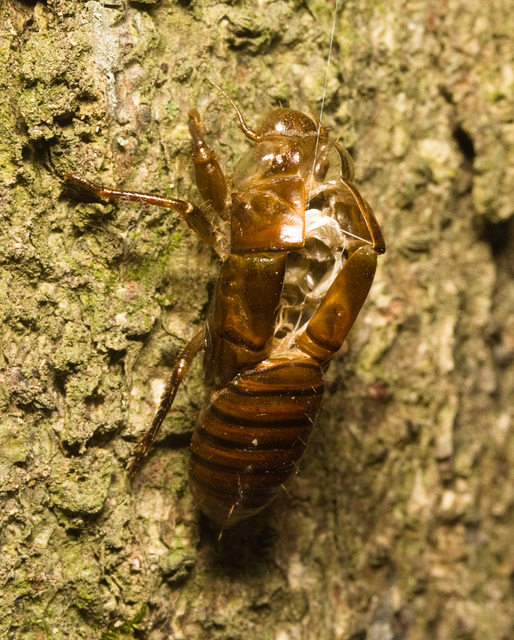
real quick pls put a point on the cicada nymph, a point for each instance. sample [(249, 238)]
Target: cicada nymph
[(298, 259)]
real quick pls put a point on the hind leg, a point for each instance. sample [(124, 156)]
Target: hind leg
[(180, 369)]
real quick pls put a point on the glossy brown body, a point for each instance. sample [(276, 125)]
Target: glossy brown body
[(251, 436), (298, 262)]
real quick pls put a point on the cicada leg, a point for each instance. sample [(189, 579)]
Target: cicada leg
[(377, 238), (210, 179), (180, 369), (193, 215), (329, 326)]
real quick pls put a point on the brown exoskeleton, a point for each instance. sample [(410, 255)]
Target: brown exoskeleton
[(297, 267)]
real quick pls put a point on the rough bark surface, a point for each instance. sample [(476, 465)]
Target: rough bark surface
[(400, 523)]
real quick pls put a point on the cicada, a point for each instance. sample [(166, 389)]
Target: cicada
[(298, 247)]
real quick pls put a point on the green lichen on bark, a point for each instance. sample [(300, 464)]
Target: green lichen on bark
[(399, 524)]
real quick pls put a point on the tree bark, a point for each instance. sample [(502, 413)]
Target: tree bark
[(399, 523)]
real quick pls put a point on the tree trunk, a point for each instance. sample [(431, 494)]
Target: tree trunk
[(399, 524)]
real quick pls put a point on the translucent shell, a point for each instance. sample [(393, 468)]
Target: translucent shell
[(285, 122)]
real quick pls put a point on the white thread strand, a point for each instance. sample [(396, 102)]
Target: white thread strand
[(323, 97)]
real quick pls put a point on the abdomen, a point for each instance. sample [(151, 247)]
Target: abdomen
[(252, 434)]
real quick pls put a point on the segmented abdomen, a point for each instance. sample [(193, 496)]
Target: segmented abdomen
[(251, 435)]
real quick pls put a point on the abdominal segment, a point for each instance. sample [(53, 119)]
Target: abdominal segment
[(251, 436)]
